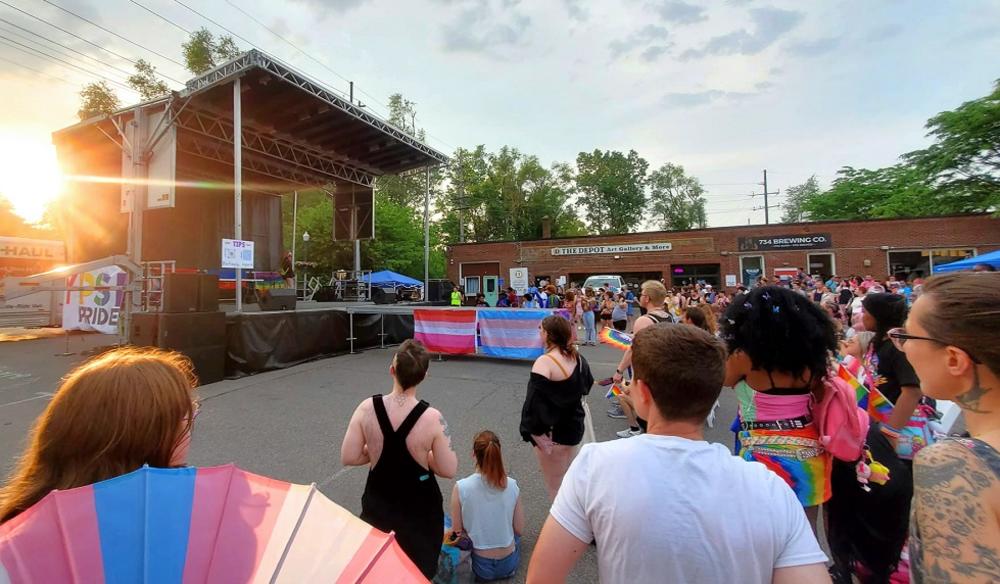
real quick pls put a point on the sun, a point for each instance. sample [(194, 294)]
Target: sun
[(29, 174)]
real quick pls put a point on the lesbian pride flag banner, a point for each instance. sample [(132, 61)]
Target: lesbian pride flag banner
[(187, 525), (511, 333), (452, 332)]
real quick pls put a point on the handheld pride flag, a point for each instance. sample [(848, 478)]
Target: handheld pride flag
[(872, 400), (615, 338)]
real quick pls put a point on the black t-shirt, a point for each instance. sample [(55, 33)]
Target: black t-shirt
[(892, 366), (845, 297)]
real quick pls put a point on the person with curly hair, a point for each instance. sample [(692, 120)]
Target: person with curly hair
[(780, 346)]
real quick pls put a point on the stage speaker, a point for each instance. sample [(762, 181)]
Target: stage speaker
[(325, 294), (142, 332), (209, 362), (439, 290), (183, 331), (383, 295), (208, 293), (180, 292), (277, 299)]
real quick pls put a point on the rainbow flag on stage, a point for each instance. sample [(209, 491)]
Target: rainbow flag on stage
[(870, 400), (511, 333), (445, 330)]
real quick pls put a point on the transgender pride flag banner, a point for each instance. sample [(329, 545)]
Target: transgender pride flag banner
[(511, 333), (452, 332)]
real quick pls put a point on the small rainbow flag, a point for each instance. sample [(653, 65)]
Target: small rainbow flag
[(872, 400), (613, 391), (615, 338)]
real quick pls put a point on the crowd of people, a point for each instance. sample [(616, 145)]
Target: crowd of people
[(664, 504)]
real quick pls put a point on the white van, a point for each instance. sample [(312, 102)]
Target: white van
[(608, 282)]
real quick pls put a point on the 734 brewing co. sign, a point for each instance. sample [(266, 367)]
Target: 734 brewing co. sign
[(599, 249), (772, 242)]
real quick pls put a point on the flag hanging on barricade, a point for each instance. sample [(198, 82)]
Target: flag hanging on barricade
[(511, 334), (452, 332)]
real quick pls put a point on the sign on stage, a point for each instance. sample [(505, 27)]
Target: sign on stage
[(237, 254)]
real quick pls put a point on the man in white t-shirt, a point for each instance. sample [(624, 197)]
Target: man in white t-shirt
[(689, 510)]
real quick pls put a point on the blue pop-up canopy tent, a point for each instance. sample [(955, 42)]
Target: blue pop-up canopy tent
[(991, 259), (390, 279)]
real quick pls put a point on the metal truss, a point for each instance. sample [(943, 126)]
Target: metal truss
[(255, 58), (315, 163), (221, 152)]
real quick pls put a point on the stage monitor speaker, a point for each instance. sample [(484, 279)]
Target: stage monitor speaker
[(183, 331), (143, 330), (180, 292), (208, 293), (383, 295), (209, 362), (277, 299), (325, 294)]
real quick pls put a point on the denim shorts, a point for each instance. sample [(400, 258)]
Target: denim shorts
[(487, 569)]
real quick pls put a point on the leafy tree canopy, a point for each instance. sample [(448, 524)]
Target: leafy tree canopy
[(612, 186), (676, 199), (96, 99)]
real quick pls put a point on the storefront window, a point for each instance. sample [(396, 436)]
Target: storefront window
[(920, 263), (687, 274)]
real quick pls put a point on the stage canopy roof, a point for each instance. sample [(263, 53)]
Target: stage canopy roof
[(296, 132), (387, 278)]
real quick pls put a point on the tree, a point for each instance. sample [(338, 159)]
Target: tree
[(96, 99), (202, 52), (963, 164), (145, 81), (408, 188), (612, 185), (677, 199), (894, 191), (796, 198)]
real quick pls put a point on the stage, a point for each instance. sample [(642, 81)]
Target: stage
[(259, 341)]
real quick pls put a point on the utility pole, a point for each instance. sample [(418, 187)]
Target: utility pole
[(766, 207)]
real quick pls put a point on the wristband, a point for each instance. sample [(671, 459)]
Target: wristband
[(889, 431), (618, 372)]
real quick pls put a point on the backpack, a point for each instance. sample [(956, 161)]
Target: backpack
[(842, 425)]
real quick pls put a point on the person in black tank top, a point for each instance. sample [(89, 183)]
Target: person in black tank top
[(401, 495)]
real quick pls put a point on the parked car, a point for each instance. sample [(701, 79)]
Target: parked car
[(608, 282)]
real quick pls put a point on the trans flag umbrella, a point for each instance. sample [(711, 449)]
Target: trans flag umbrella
[(186, 525)]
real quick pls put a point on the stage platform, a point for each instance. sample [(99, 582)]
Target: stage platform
[(259, 340)]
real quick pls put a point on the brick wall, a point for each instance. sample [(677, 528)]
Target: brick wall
[(853, 243)]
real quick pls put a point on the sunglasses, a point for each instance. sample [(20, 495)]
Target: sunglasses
[(899, 338)]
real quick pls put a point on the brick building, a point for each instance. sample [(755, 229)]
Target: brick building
[(729, 255)]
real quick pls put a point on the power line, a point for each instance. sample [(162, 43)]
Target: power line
[(74, 35), (113, 33), (50, 57), (39, 71), (81, 53), (161, 17)]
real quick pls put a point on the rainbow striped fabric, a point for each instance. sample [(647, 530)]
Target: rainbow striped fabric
[(615, 338), (187, 525), (449, 331), (871, 400)]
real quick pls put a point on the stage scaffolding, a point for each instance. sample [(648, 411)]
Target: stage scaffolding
[(295, 134)]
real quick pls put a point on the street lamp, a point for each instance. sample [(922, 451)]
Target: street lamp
[(305, 268)]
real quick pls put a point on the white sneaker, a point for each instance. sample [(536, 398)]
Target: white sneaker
[(628, 433)]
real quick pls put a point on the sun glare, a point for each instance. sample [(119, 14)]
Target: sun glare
[(29, 174)]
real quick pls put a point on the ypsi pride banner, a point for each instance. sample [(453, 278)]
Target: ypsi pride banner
[(94, 310)]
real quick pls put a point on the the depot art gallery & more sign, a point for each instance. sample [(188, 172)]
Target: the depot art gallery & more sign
[(732, 255)]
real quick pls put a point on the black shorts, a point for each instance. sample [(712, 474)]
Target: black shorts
[(620, 325), (566, 433)]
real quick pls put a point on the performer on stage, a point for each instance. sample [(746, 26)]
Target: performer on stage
[(288, 270)]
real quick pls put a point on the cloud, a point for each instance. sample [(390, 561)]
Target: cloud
[(679, 12), (769, 25), (814, 48), (340, 6), (884, 32), (486, 27), (575, 10), (651, 36), (699, 98)]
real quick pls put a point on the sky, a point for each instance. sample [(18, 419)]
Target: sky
[(725, 88)]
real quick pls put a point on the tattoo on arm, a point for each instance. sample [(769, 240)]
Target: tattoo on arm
[(444, 426), (970, 399), (957, 527)]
